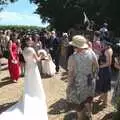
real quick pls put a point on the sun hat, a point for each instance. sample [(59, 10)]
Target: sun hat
[(79, 41)]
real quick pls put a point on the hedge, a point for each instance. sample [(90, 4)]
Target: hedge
[(19, 27)]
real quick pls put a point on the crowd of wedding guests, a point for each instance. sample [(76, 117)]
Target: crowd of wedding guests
[(90, 70), (88, 63), (46, 44)]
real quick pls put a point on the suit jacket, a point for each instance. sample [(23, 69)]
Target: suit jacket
[(55, 44)]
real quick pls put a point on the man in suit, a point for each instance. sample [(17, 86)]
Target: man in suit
[(54, 49)]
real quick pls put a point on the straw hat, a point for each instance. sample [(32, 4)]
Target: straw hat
[(79, 42)]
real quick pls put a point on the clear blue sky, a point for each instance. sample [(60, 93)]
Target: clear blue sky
[(20, 13)]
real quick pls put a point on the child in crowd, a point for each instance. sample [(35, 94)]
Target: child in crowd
[(48, 67)]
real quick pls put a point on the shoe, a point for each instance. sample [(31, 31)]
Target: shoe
[(15, 81), (22, 75)]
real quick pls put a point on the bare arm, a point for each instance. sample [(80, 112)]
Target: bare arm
[(95, 64), (10, 50), (38, 58), (108, 55)]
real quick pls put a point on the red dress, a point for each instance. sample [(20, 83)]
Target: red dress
[(14, 68)]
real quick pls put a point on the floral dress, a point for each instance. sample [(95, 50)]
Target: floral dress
[(80, 85)]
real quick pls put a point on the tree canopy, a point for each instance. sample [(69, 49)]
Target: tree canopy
[(5, 2), (63, 14)]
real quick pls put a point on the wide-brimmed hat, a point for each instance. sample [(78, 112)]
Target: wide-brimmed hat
[(79, 42)]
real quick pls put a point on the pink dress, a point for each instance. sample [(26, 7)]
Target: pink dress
[(14, 68), (97, 47)]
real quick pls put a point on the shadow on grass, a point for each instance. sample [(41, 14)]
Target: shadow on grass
[(5, 78), (64, 76), (6, 106), (59, 107), (63, 62), (3, 69), (45, 76), (5, 83)]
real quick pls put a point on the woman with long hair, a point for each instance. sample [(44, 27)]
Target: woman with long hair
[(103, 85), (13, 60), (32, 106)]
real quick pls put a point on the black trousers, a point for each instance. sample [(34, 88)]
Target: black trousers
[(56, 58)]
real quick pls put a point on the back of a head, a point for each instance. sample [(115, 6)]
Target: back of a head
[(53, 32), (65, 35), (43, 52), (105, 25), (97, 33)]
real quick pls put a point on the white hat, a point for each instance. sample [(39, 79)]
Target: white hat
[(79, 42), (65, 34)]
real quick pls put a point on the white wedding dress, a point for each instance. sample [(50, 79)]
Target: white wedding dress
[(33, 104)]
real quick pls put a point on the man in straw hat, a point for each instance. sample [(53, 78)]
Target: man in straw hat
[(80, 89)]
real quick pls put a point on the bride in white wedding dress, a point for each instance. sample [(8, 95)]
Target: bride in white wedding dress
[(32, 106)]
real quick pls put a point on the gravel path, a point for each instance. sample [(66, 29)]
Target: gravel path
[(54, 87)]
